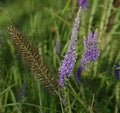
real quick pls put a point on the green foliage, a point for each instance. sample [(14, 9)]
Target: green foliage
[(42, 22)]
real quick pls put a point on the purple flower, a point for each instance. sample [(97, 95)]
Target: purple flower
[(117, 70), (83, 4), (67, 66), (70, 56), (91, 51)]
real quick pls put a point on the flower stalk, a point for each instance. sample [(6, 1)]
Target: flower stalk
[(68, 64)]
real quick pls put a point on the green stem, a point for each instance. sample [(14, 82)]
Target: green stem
[(91, 107), (93, 10), (105, 18), (117, 97), (64, 100)]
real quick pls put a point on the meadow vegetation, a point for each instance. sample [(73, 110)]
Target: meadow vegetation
[(42, 23)]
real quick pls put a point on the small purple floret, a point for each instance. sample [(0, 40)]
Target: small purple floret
[(78, 73), (83, 4)]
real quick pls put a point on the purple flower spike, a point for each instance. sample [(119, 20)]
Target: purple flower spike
[(70, 57), (91, 51), (67, 65), (83, 4)]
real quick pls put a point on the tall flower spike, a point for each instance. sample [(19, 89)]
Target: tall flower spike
[(34, 60), (70, 56), (91, 51), (83, 4)]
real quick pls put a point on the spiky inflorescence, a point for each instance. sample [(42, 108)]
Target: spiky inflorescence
[(83, 4), (91, 51), (34, 60), (70, 56)]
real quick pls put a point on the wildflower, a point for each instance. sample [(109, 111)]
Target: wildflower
[(117, 70), (67, 66), (83, 4), (58, 46), (91, 51), (70, 56)]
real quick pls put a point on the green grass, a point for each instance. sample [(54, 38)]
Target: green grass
[(99, 90)]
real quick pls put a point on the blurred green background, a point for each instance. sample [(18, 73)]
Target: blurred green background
[(42, 22)]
